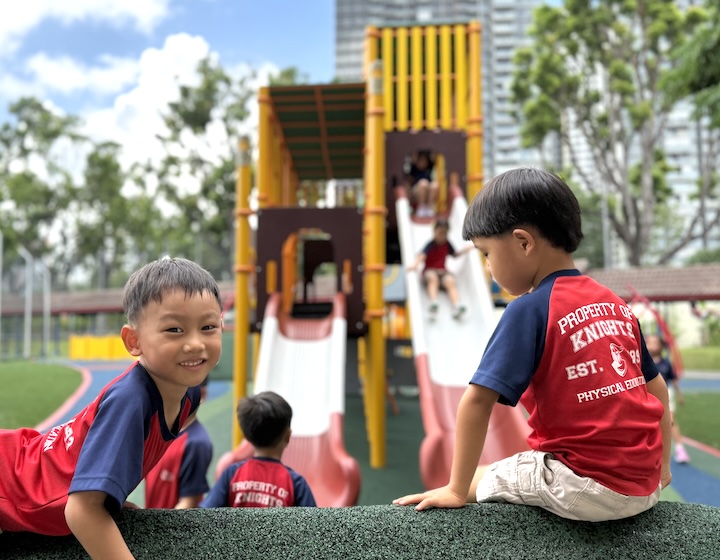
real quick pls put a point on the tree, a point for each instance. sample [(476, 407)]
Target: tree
[(196, 177), (35, 188), (594, 77), (697, 75), (112, 226)]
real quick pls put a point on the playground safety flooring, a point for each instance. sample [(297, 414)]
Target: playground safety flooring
[(696, 482)]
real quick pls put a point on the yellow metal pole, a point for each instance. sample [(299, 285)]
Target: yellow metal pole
[(402, 78), (243, 269), (375, 212), (388, 58), (264, 170), (445, 78), (276, 167), (461, 79), (431, 109), (475, 120), (416, 76)]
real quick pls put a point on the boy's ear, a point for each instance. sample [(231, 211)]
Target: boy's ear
[(525, 239), (130, 340)]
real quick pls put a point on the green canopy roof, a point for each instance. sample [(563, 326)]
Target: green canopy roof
[(324, 128)]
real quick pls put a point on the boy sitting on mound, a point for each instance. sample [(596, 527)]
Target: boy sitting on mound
[(572, 353), (262, 480), (75, 477)]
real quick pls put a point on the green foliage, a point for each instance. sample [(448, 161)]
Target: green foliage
[(34, 188), (289, 76), (598, 70), (705, 256), (31, 392)]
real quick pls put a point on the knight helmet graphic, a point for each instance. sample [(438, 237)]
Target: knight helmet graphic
[(618, 364)]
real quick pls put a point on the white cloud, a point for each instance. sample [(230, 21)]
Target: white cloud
[(67, 75), (135, 119), (20, 19)]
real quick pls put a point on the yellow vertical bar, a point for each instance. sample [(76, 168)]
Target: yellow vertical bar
[(264, 148), (461, 79), (276, 166), (371, 49), (416, 76), (402, 78), (475, 120), (445, 78), (243, 269), (375, 246), (388, 58), (430, 78)]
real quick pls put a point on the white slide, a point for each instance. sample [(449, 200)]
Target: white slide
[(303, 360), (447, 351)]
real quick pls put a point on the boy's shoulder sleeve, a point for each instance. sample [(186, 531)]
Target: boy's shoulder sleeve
[(195, 462), (220, 492), (647, 364), (303, 494), (111, 457), (515, 348)]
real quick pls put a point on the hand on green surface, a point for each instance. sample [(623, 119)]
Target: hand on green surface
[(439, 498)]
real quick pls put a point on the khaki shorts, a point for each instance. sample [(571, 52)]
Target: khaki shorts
[(535, 478)]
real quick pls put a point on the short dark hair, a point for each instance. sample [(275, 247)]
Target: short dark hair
[(157, 278), (442, 222), (264, 418), (526, 197)]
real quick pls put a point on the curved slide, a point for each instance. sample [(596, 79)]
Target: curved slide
[(447, 351), (304, 361)]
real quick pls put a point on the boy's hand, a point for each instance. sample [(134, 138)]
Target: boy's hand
[(440, 497)]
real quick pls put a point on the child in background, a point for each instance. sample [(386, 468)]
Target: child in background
[(74, 478), (262, 480), (423, 189), (179, 480), (434, 274), (571, 351), (655, 346)]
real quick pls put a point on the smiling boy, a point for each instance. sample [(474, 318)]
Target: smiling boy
[(77, 476)]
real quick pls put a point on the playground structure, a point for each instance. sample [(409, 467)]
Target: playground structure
[(421, 93)]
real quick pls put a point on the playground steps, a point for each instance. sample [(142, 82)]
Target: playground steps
[(669, 530)]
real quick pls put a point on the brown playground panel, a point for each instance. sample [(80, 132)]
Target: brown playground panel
[(344, 225)]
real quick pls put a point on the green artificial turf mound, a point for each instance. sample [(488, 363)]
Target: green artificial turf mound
[(669, 530)]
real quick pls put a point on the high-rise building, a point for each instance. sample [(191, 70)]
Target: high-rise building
[(504, 28)]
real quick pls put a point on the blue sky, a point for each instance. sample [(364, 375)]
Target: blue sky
[(113, 62)]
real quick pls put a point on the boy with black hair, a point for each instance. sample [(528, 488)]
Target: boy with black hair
[(179, 480), (572, 353), (262, 480), (75, 477), (434, 274)]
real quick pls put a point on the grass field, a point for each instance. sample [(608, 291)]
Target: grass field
[(706, 358), (698, 418), (31, 392)]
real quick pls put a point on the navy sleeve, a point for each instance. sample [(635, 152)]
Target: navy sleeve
[(451, 249), (647, 365), (303, 495), (220, 492), (427, 247), (195, 463), (111, 457), (515, 348)]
